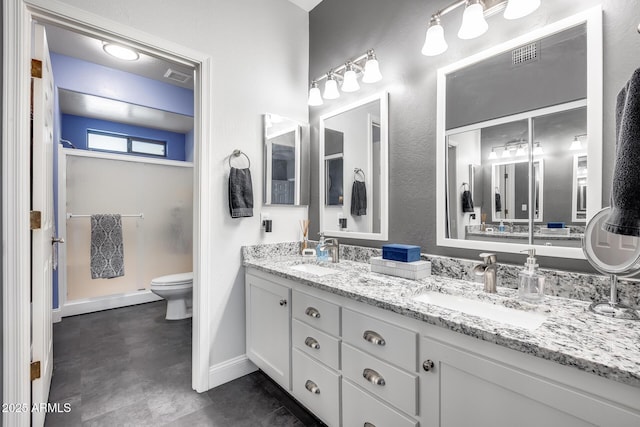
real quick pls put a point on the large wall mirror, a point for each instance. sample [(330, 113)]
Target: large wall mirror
[(517, 125), (354, 170), (286, 161)]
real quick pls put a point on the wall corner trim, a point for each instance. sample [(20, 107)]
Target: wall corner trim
[(230, 370)]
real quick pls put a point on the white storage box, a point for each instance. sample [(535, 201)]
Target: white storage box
[(555, 231), (409, 270)]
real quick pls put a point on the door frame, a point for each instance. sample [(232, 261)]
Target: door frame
[(17, 16)]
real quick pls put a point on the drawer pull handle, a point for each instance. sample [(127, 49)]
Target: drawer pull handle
[(368, 424), (283, 302), (428, 365), (373, 377), (312, 342), (312, 387), (312, 312), (373, 338)]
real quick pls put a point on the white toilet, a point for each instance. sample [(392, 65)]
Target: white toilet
[(177, 289)]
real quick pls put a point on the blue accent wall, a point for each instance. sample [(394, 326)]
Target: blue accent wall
[(74, 129)]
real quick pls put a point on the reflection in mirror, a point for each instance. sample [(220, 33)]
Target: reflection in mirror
[(286, 152), (515, 125), (353, 170)]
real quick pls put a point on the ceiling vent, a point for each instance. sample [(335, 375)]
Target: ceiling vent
[(524, 54), (177, 76)]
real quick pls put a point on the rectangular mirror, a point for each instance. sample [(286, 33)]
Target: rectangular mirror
[(518, 122), (286, 161), (354, 170)]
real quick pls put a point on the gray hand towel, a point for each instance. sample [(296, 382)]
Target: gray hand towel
[(625, 192), (107, 251), (358, 198), (467, 201), (240, 193), (498, 203)]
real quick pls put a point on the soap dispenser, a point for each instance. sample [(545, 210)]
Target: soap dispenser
[(531, 283), (322, 253), (501, 227)]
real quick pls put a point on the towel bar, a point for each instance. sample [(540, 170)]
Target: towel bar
[(70, 215)]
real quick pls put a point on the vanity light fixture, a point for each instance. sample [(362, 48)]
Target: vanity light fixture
[(473, 20), (519, 8), (366, 65), (577, 144), (506, 153), (537, 150), (521, 151), (315, 98), (120, 52), (493, 155)]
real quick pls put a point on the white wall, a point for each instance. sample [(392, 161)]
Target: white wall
[(260, 64)]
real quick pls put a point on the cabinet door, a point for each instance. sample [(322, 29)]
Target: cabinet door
[(465, 389), (269, 328)]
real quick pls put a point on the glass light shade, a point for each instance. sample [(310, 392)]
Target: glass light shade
[(576, 144), (371, 71), (506, 153), (350, 82), (521, 151), (538, 151), (473, 22), (519, 8), (315, 98), (331, 89), (120, 52), (434, 42), (493, 155)]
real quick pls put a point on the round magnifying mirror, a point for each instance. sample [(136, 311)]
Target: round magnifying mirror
[(612, 254)]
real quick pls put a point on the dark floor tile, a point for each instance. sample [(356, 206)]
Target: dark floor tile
[(281, 417), (115, 392), (67, 380), (135, 415), (66, 419), (207, 416)]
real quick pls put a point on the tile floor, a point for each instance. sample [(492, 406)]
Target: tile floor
[(130, 367)]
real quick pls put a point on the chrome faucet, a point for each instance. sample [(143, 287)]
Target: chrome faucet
[(333, 247), (488, 270)]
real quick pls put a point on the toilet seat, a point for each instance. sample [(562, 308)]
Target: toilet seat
[(173, 280)]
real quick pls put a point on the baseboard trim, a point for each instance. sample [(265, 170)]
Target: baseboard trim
[(229, 370), (56, 315), (91, 305)]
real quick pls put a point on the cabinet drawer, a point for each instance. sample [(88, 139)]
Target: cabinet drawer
[(317, 387), (316, 312), (359, 408), (317, 344), (384, 340), (390, 383)]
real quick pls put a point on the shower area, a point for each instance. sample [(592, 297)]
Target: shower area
[(155, 200)]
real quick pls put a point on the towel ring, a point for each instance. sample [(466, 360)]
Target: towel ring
[(238, 153), (465, 186), (357, 171)]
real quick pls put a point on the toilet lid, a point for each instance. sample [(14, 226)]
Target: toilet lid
[(173, 279)]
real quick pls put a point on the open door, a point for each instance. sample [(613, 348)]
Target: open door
[(42, 225)]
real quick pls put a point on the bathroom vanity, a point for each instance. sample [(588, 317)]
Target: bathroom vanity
[(359, 348)]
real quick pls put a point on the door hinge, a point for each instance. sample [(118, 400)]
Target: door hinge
[(35, 219), (36, 68), (35, 370)]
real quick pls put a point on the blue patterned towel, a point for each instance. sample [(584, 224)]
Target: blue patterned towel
[(107, 252)]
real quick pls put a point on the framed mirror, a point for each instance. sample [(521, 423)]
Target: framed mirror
[(354, 175), (286, 161), (516, 121)]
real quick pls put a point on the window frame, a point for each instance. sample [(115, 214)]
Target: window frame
[(130, 140)]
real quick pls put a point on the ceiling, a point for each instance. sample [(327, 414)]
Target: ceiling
[(306, 4)]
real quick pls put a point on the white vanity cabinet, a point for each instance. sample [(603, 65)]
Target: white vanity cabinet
[(466, 383), (269, 327)]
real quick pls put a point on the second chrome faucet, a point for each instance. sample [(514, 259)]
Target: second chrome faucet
[(488, 270)]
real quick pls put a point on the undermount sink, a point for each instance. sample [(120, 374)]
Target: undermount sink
[(314, 269), (522, 319)]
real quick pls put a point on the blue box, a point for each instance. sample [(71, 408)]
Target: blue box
[(555, 225), (402, 253)]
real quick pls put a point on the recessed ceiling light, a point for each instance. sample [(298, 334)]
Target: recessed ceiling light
[(120, 52)]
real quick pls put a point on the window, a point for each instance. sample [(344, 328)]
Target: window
[(115, 143)]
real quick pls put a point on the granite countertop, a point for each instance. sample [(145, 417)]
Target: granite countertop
[(523, 235), (571, 335)]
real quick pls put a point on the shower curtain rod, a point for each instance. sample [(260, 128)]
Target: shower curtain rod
[(140, 215)]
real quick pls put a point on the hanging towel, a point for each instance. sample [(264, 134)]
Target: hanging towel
[(467, 201), (240, 193), (358, 198), (498, 203), (625, 191), (107, 252)]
